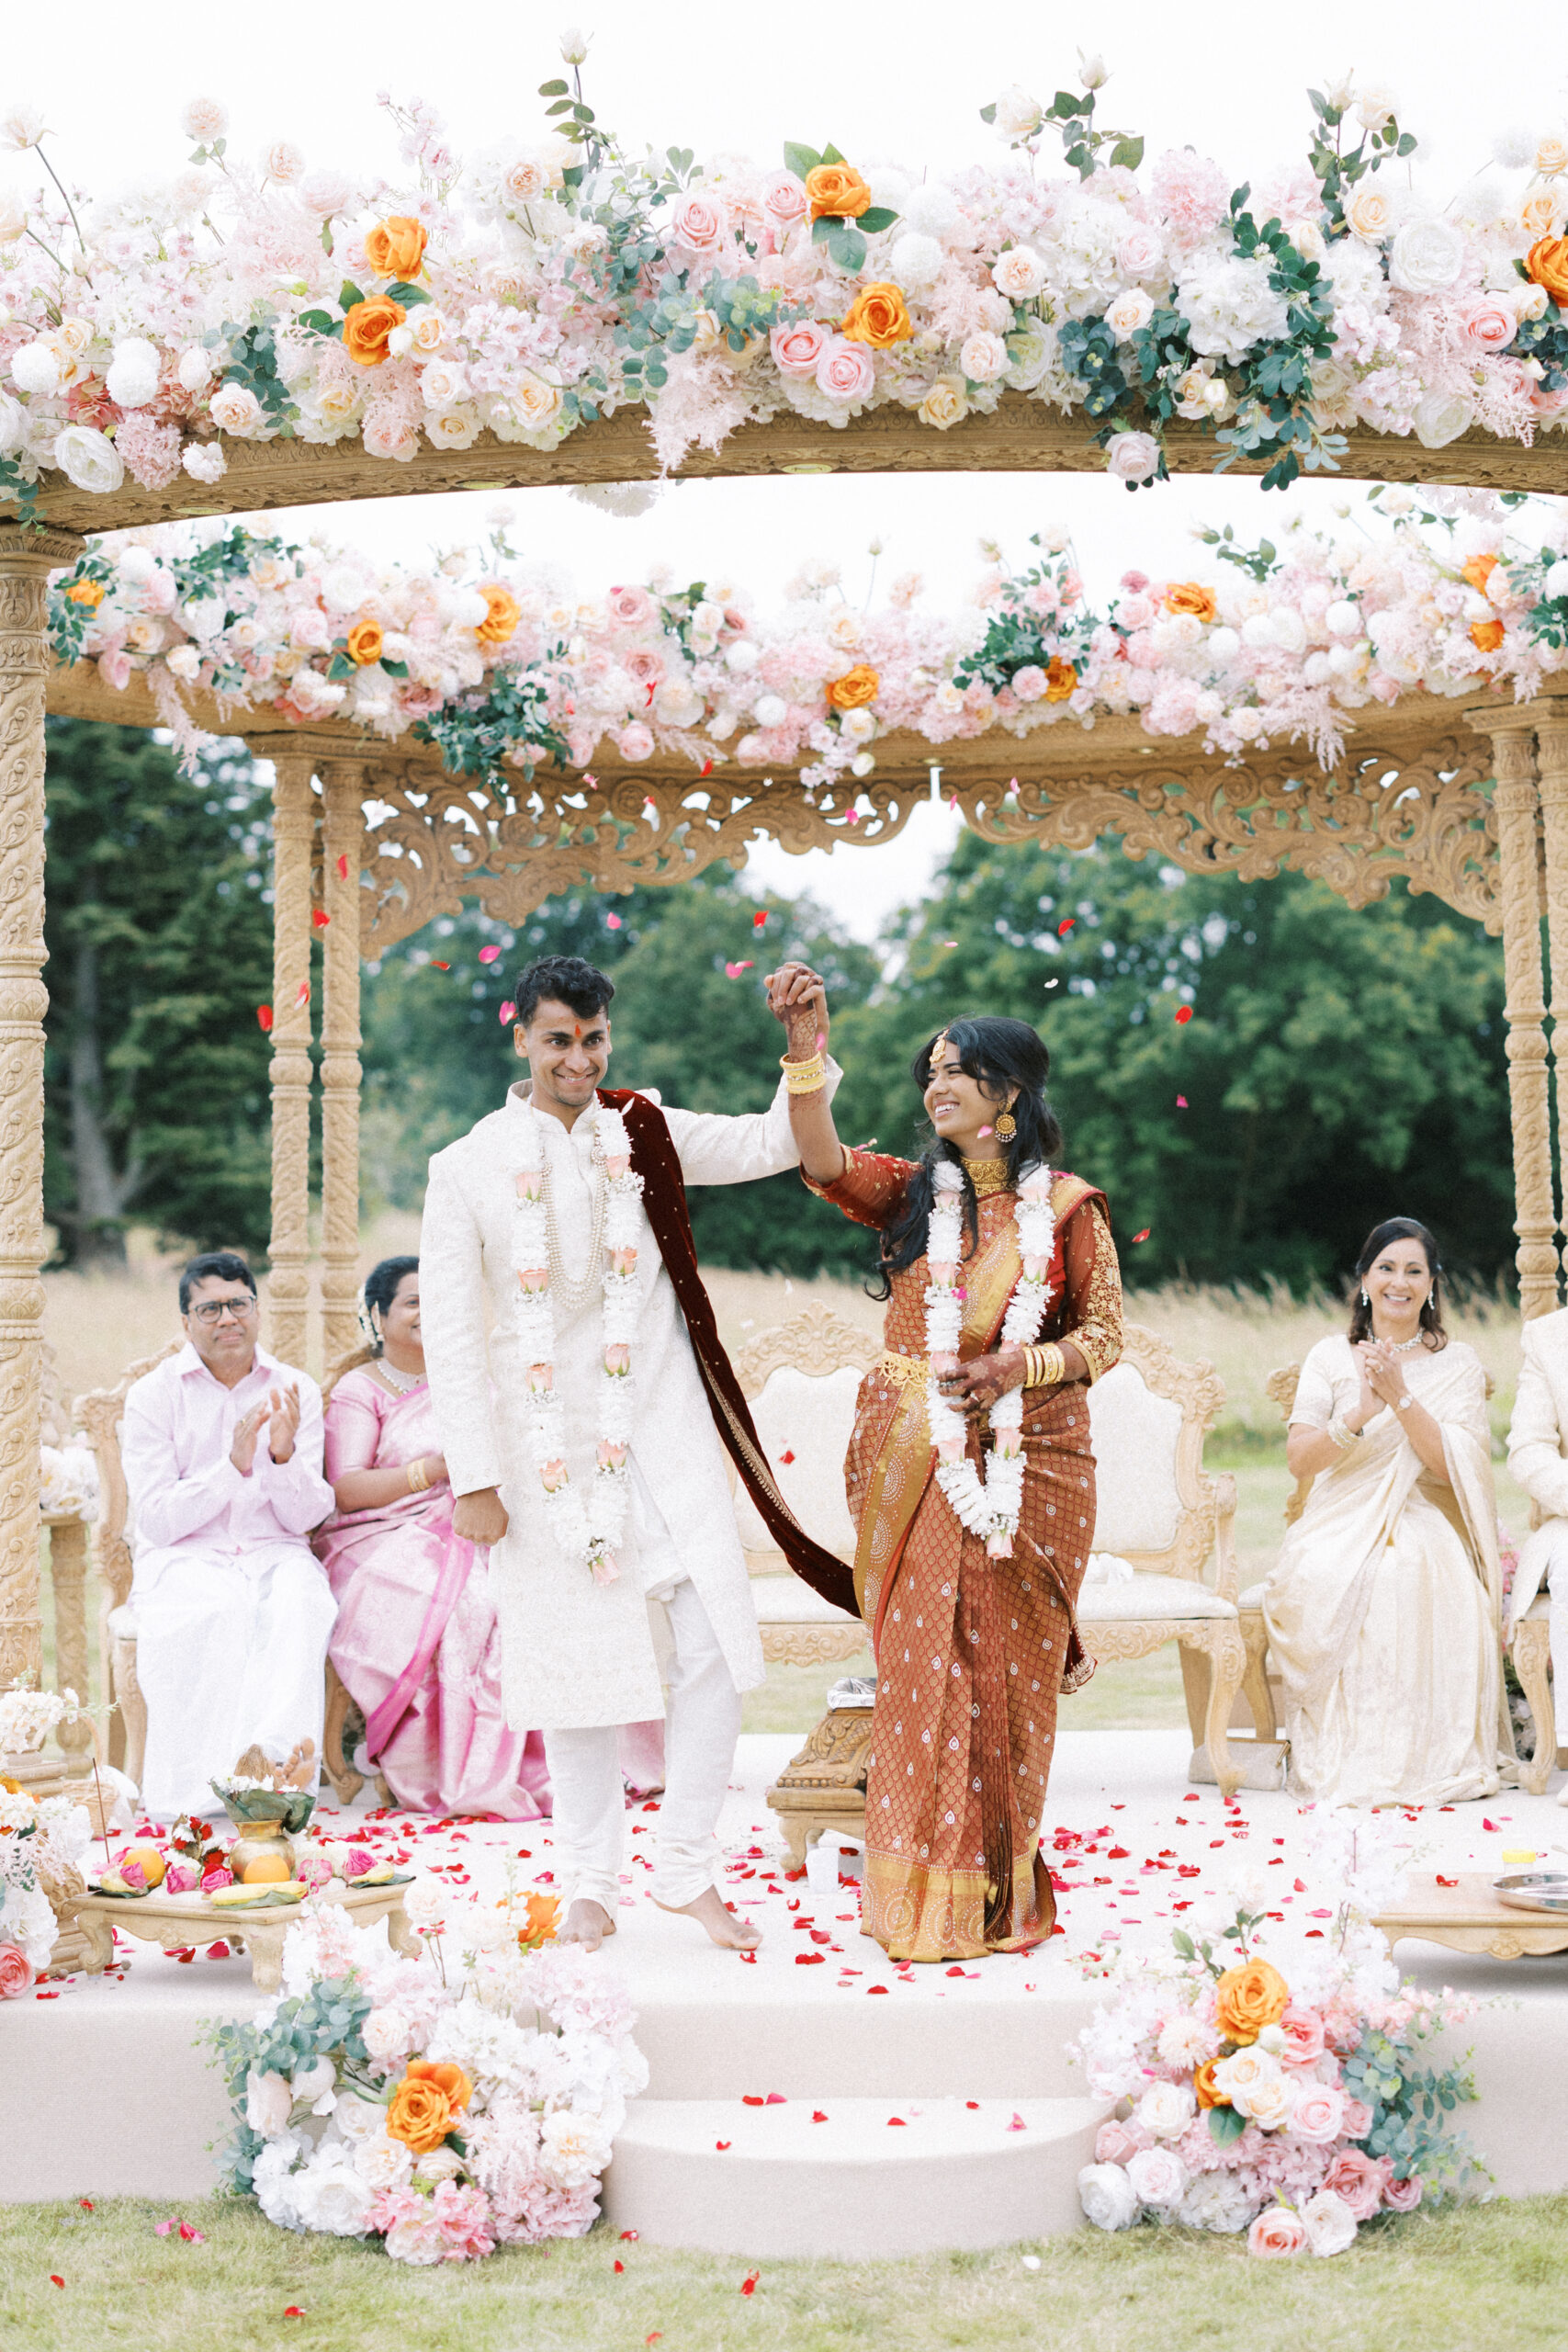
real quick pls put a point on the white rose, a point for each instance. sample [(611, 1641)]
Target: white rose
[(333, 2198), (315, 2085), (442, 2164), (1131, 456), (358, 2118), (195, 369), (1093, 71), (1555, 583), (1426, 257), (325, 193), (983, 359), (283, 164), (857, 726), (13, 424), (236, 410), (382, 2163), (862, 764), (1017, 115), (269, 2101), (13, 218), (443, 383), (88, 459), (1375, 106), (1108, 2196), (34, 370), (132, 377), (1530, 302), (1019, 273), (1129, 312), (1157, 2177), (204, 120), (1328, 2222), (21, 126), (1167, 2109), (204, 461), (1269, 2104), (1440, 418), (74, 336), (574, 45), (184, 662), (916, 261)]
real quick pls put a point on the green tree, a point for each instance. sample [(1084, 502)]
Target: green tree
[(159, 932), (1339, 1066)]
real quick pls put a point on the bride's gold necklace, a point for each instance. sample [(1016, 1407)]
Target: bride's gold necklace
[(987, 1175)]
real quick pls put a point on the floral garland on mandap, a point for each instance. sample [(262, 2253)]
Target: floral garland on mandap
[(1295, 2108), (501, 665), (991, 1507), (587, 1530), (444, 2105), (551, 280)]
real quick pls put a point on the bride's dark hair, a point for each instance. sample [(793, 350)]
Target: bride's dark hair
[(1400, 1229), (997, 1054)]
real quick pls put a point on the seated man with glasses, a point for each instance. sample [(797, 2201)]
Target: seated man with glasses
[(223, 1453)]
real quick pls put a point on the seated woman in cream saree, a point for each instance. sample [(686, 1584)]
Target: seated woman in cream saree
[(1382, 1611)]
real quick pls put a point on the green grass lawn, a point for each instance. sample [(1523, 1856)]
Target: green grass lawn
[(1478, 2275)]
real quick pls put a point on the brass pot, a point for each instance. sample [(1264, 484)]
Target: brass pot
[(258, 1841)]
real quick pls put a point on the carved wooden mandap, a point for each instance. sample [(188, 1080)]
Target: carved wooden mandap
[(1466, 796)]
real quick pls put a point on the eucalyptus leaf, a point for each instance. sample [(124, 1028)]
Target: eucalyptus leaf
[(800, 160)]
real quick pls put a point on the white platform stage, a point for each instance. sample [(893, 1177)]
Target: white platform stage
[(787, 2093)]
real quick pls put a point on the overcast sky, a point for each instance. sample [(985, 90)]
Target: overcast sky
[(884, 85)]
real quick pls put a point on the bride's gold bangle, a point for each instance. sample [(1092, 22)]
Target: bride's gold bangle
[(419, 1477), (804, 1078), (1045, 1367)]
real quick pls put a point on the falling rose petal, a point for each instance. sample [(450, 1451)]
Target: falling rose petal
[(437, 965), (720, 2146), (788, 1456), (1183, 1015), (301, 994), (489, 955), (1065, 925), (1181, 1102), (1145, 1235), (319, 918), (851, 816), (733, 971), (263, 1018), (760, 920), (508, 1013), (987, 1131), (1054, 984), (650, 807), (343, 867), (612, 922), (706, 768), (822, 1039)]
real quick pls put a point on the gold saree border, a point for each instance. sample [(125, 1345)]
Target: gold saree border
[(924, 1915)]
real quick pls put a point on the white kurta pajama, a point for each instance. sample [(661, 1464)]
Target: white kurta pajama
[(233, 1609), (578, 1658)]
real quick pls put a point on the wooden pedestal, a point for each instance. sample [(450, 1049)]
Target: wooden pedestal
[(1470, 1917), (87, 1922), (824, 1786)]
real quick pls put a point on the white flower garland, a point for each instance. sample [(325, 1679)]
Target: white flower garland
[(587, 1528), (991, 1505)]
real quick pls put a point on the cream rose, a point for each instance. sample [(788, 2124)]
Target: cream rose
[(1369, 213), (1329, 2224), (453, 428), (984, 358), (237, 412), (944, 403), (536, 402), (1166, 2109), (443, 383), (1016, 115), (1130, 312), (1108, 2196), (1019, 273)]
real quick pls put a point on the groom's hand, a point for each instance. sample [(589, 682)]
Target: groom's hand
[(797, 997), (480, 1518)]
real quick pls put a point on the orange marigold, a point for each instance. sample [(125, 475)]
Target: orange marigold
[(878, 316), (855, 688), (86, 592), (367, 325)]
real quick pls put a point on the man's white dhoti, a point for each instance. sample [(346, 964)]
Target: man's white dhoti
[(1538, 1458)]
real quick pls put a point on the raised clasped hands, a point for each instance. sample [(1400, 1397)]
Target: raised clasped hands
[(798, 997), (1382, 1378)]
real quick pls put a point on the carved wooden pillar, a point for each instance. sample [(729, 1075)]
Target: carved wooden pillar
[(342, 846), (27, 557), (1552, 769), (1515, 800), (68, 1575), (293, 831)]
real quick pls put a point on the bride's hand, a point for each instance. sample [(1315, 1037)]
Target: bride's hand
[(797, 997), (975, 1387)]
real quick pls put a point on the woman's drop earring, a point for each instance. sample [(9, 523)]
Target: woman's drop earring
[(1365, 1300), (1007, 1127)]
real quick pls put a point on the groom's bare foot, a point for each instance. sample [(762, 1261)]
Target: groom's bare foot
[(711, 1911), (586, 1924)]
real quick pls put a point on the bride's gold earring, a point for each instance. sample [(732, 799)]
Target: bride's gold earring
[(1007, 1126)]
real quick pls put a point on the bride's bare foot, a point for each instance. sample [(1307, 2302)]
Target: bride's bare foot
[(711, 1911), (586, 1924)]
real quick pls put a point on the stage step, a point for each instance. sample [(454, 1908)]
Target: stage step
[(772, 2181)]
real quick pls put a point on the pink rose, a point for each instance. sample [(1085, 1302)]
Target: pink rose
[(553, 1476), (180, 1879), (534, 1281), (214, 1878), (617, 1163), (699, 224), (387, 434), (114, 669), (1134, 583), (541, 1379), (1276, 2233), (310, 631), (612, 1454), (530, 1183), (1319, 2114), (1028, 684), (356, 1863), (846, 371), (134, 1876), (644, 665), (17, 1973), (1488, 323), (783, 200), (1402, 2196), (1359, 2180), (314, 1870), (618, 1359), (1304, 2038), (622, 1260), (1114, 2143), (1358, 2120), (797, 349), (636, 741), (1141, 252)]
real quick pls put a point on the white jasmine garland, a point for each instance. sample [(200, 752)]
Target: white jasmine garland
[(989, 1507), (587, 1528)]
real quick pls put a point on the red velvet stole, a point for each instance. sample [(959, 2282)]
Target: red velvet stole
[(664, 1197)]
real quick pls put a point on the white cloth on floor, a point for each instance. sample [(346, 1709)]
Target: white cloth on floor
[(233, 1611), (702, 1725)]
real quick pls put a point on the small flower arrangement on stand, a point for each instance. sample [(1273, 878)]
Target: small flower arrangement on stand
[(42, 1842), (444, 2105), (1294, 2108)]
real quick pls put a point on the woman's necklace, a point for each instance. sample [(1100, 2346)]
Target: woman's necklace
[(1402, 1347), (403, 1382)]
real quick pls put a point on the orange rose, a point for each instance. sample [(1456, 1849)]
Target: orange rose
[(543, 1913), (1547, 264), (365, 642), (1486, 636), (878, 316), (1060, 679), (86, 592), (855, 688), (1478, 572), (1246, 1999), (1190, 597), (395, 248), (501, 620), (426, 2105), (366, 326), (834, 188), (1203, 2083)]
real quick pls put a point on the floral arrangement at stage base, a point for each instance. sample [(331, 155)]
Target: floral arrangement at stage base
[(1297, 2108), (444, 2104), (42, 1843)]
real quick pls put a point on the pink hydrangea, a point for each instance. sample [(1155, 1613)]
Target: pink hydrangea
[(1192, 193), (466, 2223)]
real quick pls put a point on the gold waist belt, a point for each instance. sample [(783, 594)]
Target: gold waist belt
[(905, 1370)]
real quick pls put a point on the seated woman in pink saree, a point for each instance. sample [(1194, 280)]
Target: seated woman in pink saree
[(416, 1641)]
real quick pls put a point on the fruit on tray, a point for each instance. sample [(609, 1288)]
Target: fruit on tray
[(145, 1858), (260, 1869), (241, 1898)]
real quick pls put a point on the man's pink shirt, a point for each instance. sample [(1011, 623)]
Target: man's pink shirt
[(188, 1495)]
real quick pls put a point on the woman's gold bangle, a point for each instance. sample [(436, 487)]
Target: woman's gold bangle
[(1045, 1367), (804, 1078), (419, 1477)]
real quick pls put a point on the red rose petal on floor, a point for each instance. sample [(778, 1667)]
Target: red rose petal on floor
[(86, 2203), (620, 2265), (776, 2098), (808, 1959), (894, 2119), (1300, 1886), (293, 2311), (629, 2237), (706, 768), (877, 1988), (657, 2337), (1018, 2125), (55, 2279), (818, 2116), (1490, 1824), (972, 2104), (749, 2284), (219, 1951), (788, 1456), (748, 2098), (749, 1957), (1442, 1881), (720, 2146)]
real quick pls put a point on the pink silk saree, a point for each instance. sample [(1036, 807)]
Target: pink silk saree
[(416, 1641)]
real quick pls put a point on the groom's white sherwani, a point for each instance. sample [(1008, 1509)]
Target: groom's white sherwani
[(576, 1654), (1538, 1458)]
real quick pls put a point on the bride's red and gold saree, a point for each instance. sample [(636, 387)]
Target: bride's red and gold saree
[(971, 1652)]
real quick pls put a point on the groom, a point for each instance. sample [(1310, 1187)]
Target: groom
[(585, 1437)]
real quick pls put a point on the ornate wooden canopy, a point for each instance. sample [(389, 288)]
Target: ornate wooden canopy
[(1022, 436)]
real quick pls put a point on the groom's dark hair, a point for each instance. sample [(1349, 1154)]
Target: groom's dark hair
[(565, 978)]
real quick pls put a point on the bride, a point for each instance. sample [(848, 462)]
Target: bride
[(1382, 1610)]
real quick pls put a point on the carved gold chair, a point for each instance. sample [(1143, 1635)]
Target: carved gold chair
[(99, 1414)]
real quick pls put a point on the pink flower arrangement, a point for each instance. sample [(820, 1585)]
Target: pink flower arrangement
[(17, 1973)]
